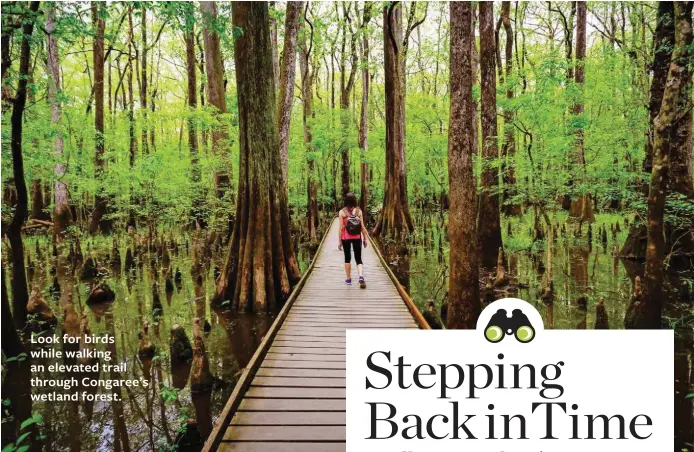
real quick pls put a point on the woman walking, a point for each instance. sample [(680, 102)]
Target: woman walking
[(352, 233)]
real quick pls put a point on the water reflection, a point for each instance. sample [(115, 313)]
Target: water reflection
[(575, 279), (581, 276), (191, 368)]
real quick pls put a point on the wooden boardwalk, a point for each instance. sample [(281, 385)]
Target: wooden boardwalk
[(291, 396)]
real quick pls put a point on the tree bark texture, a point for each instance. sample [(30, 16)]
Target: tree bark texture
[(98, 222), (489, 221), (215, 95), (395, 219), (62, 217), (364, 114), (646, 313), (581, 205), (275, 45), (463, 287), (680, 172), (678, 240), (508, 150), (287, 75), (307, 77), (347, 81), (18, 281), (261, 268), (663, 42), (17, 375), (131, 96), (192, 123), (143, 84)]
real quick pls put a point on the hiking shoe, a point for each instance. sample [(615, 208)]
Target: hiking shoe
[(362, 283), (348, 281)]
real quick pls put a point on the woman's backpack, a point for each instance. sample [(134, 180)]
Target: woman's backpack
[(353, 223)]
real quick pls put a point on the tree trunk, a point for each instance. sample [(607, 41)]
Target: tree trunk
[(680, 176), (287, 73), (489, 225), (346, 87), (646, 313), (395, 219), (120, 429), (261, 268), (109, 87), (679, 234), (463, 287), (581, 204), (307, 96), (129, 100), (508, 150), (131, 95), (275, 46), (143, 85), (17, 374), (568, 42), (37, 201), (570, 66), (364, 115), (18, 282), (203, 85), (192, 124), (62, 217), (678, 241), (215, 96), (474, 120), (98, 222), (663, 42)]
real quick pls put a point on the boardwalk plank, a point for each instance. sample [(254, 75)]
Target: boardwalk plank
[(348, 324), (300, 373), (306, 357), (353, 318), (247, 446), (337, 310), (289, 341), (300, 382), (289, 418), (282, 447), (321, 405), (296, 401), (285, 433), (307, 350), (298, 364), (265, 392)]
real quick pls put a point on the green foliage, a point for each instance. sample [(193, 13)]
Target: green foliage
[(23, 442), (19, 358), (158, 189), (168, 395)]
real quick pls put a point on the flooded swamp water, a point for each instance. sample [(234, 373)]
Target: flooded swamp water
[(585, 269), (174, 410), (179, 408)]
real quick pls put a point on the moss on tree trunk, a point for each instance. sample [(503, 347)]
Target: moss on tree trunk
[(646, 313)]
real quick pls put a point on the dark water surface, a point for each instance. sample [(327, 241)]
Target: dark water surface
[(157, 417), (580, 268)]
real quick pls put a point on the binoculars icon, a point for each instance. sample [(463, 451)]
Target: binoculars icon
[(501, 324)]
